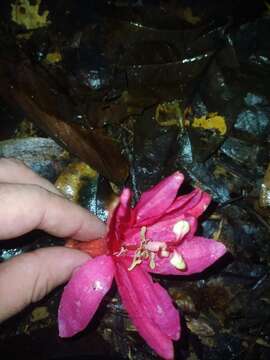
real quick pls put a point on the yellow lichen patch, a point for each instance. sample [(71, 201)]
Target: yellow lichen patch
[(200, 327), (71, 180), (189, 17), (212, 121), (215, 216), (125, 97), (267, 4), (262, 342), (135, 102), (26, 329), (217, 233), (24, 36), (115, 188), (220, 171), (169, 114), (192, 356), (25, 129), (53, 57), (264, 200), (39, 313), (27, 15)]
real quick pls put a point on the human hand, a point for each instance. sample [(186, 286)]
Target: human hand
[(27, 202)]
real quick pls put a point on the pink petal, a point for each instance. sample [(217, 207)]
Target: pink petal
[(193, 204), (150, 308), (172, 328), (154, 202), (198, 253), (83, 294), (156, 302), (94, 247), (119, 221), (183, 200), (162, 230), (123, 210)]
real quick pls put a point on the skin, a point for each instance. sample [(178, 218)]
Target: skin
[(28, 202)]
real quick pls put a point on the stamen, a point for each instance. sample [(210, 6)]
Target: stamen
[(143, 232), (140, 253), (145, 254), (136, 261), (156, 246), (121, 252), (181, 228), (178, 261), (147, 250), (164, 253), (152, 263)]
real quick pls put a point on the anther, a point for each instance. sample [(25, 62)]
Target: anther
[(164, 253), (178, 261), (152, 261), (181, 228)]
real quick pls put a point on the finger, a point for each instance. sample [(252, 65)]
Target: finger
[(15, 171), (29, 277), (27, 207)]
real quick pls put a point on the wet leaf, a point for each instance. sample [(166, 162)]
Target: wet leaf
[(43, 155), (51, 111), (265, 190), (127, 68)]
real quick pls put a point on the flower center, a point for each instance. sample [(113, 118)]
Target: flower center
[(149, 249)]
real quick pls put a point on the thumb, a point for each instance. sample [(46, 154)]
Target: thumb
[(29, 277)]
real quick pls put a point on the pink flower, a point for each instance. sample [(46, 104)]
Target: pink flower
[(157, 236)]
